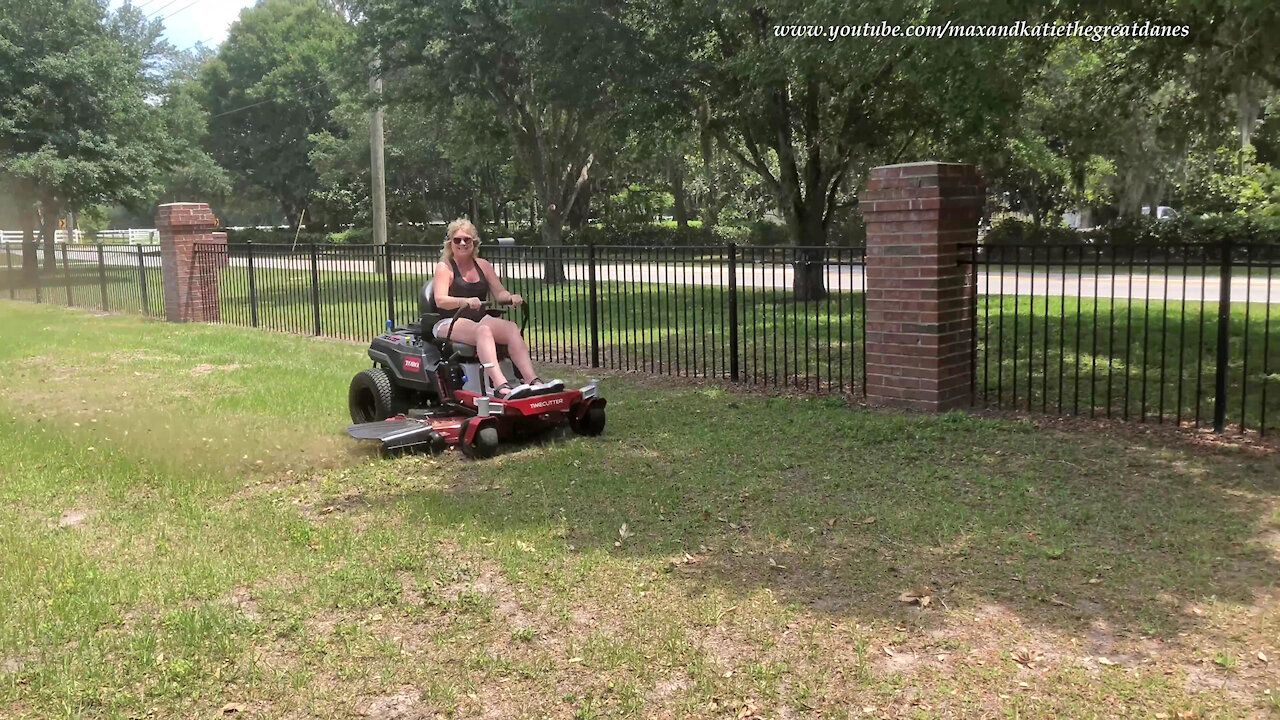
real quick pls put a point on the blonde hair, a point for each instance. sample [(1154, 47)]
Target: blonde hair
[(446, 252)]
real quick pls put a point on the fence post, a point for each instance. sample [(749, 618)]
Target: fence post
[(66, 275), (733, 311), (315, 288), (920, 218), (391, 287), (190, 290), (102, 277), (973, 315), (595, 309), (253, 286), (8, 261), (1224, 336), (142, 276)]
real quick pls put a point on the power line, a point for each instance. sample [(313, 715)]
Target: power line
[(184, 7), (260, 102), (151, 15)]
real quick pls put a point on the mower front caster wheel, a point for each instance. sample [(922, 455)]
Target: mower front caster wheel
[(590, 424), (484, 445)]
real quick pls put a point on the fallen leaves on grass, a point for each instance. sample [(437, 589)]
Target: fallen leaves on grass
[(921, 596), (1027, 658), (623, 534)]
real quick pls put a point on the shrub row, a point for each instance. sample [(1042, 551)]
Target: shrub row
[(759, 234), (1143, 231)]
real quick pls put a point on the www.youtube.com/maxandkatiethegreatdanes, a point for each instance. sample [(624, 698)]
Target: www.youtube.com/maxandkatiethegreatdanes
[(1096, 33)]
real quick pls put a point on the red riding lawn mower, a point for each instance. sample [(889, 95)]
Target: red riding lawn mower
[(429, 392)]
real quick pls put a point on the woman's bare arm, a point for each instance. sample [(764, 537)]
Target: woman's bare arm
[(500, 293)]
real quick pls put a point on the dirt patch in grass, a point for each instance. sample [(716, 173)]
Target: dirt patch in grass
[(406, 704), (204, 369), (73, 518)]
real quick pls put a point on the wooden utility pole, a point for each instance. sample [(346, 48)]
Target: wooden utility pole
[(378, 168)]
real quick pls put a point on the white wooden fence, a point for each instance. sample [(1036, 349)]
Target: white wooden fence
[(133, 236)]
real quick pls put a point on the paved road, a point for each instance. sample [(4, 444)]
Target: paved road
[(848, 278), (851, 279)]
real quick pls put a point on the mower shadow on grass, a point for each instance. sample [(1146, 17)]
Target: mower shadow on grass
[(840, 512)]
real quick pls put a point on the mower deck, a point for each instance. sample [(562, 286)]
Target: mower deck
[(466, 421)]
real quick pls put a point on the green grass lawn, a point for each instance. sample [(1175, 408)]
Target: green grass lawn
[(185, 531)]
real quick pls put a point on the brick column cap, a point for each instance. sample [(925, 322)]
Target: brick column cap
[(185, 214), (929, 167)]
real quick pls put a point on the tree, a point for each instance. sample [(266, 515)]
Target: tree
[(810, 116), (268, 92), (75, 125), (190, 171), (545, 68)]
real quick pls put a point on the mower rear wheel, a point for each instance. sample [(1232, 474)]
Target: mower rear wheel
[(590, 424), (373, 396), (485, 443)]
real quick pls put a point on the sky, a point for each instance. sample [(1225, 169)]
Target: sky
[(187, 22)]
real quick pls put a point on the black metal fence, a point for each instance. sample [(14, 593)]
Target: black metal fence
[(109, 278), (1175, 334), (716, 311)]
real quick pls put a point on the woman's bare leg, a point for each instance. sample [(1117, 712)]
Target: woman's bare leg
[(481, 335), (507, 333)]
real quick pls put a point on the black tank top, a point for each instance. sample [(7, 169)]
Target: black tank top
[(461, 288)]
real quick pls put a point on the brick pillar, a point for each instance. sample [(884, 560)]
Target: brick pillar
[(190, 290), (919, 318)]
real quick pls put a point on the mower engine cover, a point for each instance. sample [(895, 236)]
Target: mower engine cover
[(412, 361)]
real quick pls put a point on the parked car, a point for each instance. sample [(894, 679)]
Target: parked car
[(1163, 212)]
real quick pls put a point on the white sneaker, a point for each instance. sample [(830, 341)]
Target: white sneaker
[(554, 386)]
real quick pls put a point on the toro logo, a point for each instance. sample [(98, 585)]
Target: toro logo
[(412, 364)]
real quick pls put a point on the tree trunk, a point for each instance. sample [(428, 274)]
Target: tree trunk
[(809, 282), (677, 193), (49, 213), (711, 209), (1131, 193), (808, 230), (30, 251), (552, 226), (581, 210), (1248, 104)]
